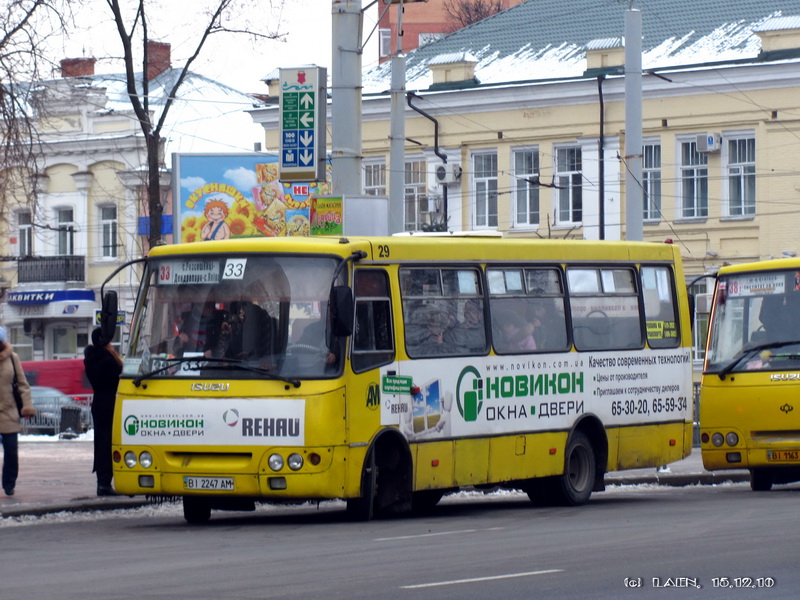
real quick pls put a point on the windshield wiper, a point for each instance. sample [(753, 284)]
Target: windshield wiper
[(201, 363), (745, 352), (240, 364), (171, 363)]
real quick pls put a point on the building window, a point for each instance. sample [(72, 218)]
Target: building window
[(384, 43), (694, 181), (569, 178), (415, 192), (22, 344), (703, 294), (484, 178), (526, 193), (108, 224), (66, 231), (651, 179), (375, 179), (25, 233), (741, 177)]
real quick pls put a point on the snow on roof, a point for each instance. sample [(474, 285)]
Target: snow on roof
[(543, 39), (206, 117)]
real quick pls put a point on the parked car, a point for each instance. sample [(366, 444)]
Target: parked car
[(49, 404)]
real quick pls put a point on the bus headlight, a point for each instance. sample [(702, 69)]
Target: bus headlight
[(130, 459), (295, 462), (275, 462), (146, 459), (732, 438), (717, 439)]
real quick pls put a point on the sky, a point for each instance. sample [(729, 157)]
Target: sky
[(235, 60)]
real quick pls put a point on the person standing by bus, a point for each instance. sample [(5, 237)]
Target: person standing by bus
[(10, 413), (103, 368)]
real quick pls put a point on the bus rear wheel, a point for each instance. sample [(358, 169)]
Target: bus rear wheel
[(760, 480), (196, 510), (574, 487)]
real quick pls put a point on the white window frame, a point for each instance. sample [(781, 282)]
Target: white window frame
[(651, 180), (569, 193), (65, 231), (484, 189), (24, 233), (374, 177), (525, 201), (740, 175), (384, 43), (692, 180), (415, 190), (109, 232)]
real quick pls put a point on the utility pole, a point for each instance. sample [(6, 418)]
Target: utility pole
[(634, 196), (397, 133), (346, 97)]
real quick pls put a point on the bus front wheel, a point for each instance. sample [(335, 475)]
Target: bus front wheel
[(760, 480), (196, 510), (363, 507)]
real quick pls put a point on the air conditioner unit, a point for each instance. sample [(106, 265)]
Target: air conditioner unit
[(448, 173), (709, 142), (702, 303)]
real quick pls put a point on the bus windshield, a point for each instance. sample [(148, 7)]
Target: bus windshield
[(756, 325), (230, 317)]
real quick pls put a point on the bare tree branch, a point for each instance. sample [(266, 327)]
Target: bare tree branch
[(25, 26), (467, 12), (138, 86)]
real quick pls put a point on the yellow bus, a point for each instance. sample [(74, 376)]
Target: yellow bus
[(390, 371), (751, 376)]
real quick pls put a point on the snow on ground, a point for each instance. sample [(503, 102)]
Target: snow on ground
[(174, 510)]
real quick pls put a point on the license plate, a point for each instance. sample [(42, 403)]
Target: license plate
[(208, 483), (783, 455)]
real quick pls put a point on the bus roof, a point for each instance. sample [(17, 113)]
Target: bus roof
[(762, 265), (418, 248)]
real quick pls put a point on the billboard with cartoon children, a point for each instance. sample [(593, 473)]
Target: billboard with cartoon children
[(223, 196)]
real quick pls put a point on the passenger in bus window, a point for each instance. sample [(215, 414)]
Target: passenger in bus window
[(223, 330), (470, 333), (194, 328), (433, 323), (549, 328), (513, 333)]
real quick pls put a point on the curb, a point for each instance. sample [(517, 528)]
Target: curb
[(78, 505)]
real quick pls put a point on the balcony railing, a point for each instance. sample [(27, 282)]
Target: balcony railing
[(38, 269)]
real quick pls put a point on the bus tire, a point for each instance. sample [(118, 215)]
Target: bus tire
[(574, 487), (362, 508), (196, 510), (386, 480), (760, 480)]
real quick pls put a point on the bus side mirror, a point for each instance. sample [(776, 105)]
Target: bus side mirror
[(108, 316), (341, 304), (691, 309)]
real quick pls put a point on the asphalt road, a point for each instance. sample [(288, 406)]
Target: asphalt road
[(629, 542)]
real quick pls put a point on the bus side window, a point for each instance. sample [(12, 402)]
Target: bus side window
[(373, 341), (604, 305), (660, 307), (443, 311), (527, 310)]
